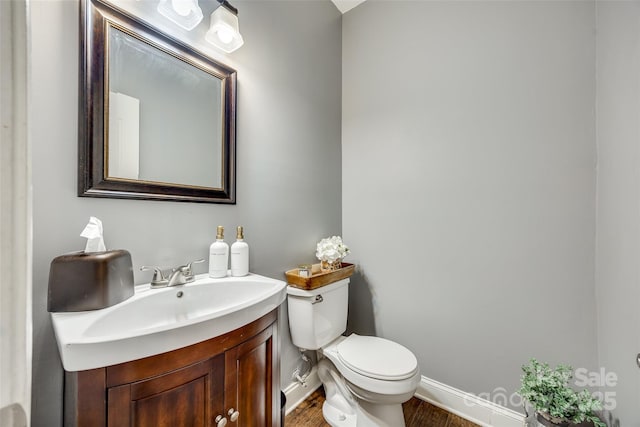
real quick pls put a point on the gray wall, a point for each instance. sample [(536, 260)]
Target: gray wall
[(288, 194), (468, 135), (618, 219)]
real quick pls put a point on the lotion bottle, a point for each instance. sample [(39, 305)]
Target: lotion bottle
[(240, 255), (218, 255)]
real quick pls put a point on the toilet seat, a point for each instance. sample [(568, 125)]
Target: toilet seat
[(377, 358), (363, 385)]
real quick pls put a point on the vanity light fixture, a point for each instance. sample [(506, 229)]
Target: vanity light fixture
[(224, 31), (185, 13)]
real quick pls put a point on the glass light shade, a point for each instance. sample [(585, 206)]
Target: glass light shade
[(184, 13), (224, 31)]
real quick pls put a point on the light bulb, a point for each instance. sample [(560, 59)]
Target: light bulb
[(225, 35), (223, 31), (185, 13), (182, 7)]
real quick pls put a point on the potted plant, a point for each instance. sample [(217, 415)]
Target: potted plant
[(554, 401)]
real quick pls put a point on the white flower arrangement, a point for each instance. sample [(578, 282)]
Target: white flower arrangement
[(331, 249)]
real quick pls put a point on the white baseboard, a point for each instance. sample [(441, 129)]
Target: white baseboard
[(467, 405), (296, 393)]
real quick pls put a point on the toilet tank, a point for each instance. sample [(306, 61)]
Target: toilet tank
[(317, 316)]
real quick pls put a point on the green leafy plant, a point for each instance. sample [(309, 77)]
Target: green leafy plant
[(549, 392)]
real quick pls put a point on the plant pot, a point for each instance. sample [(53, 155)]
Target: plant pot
[(549, 421), (326, 266)]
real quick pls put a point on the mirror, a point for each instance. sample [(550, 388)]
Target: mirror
[(157, 118)]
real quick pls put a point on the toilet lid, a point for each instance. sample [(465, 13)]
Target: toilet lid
[(376, 357)]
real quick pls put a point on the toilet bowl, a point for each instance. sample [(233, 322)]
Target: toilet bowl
[(366, 379), (376, 375)]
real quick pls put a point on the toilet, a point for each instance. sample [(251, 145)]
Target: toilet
[(366, 379)]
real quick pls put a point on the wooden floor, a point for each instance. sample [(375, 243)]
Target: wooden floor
[(416, 414)]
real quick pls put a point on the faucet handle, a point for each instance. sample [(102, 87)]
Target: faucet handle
[(187, 270), (158, 279), (198, 261)]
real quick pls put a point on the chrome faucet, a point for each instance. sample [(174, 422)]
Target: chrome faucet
[(179, 275)]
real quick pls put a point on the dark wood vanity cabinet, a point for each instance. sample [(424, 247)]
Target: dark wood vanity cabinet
[(233, 376), (249, 380), (184, 397)]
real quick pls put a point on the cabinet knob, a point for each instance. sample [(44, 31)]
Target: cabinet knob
[(233, 415), (221, 421)]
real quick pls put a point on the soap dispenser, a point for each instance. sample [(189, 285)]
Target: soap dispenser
[(239, 255), (218, 255)]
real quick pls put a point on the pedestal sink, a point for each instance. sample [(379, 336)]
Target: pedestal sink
[(155, 321)]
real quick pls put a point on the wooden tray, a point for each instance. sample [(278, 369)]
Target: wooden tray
[(319, 279)]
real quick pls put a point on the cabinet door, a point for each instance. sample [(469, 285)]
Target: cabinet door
[(248, 382), (187, 397)]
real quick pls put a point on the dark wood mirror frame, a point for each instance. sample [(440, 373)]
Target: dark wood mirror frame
[(92, 177)]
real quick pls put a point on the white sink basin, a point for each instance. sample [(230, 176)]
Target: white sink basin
[(155, 321)]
